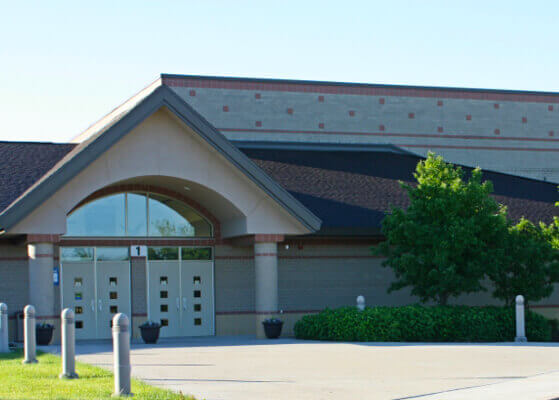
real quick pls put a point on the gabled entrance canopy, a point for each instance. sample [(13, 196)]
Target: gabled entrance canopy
[(150, 114)]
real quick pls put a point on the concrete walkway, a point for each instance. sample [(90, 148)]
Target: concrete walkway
[(242, 368)]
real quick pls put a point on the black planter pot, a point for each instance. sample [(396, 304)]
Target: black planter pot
[(150, 334), (44, 334), (272, 329)]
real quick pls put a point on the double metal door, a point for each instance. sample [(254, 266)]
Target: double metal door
[(181, 297), (95, 291)]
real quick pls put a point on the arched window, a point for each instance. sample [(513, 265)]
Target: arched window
[(137, 214)]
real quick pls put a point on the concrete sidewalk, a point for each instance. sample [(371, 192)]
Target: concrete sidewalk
[(243, 368)]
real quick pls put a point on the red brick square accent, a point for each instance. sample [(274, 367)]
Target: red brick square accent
[(290, 111), (321, 125), (257, 95), (551, 133), (497, 131), (550, 108), (440, 129), (192, 93), (381, 100), (381, 127), (258, 123), (468, 117), (225, 108), (321, 99), (351, 113), (524, 120), (439, 103), (411, 115), (496, 106)]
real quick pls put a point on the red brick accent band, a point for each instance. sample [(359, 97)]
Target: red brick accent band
[(268, 238), (14, 258), (154, 189), (391, 134), (43, 256), (358, 89), (42, 238), (233, 258), (265, 254), (135, 241)]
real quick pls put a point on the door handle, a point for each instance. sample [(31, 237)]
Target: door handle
[(184, 303), (100, 305), (178, 305), (93, 305)]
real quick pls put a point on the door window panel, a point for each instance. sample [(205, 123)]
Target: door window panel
[(113, 254), (76, 253), (163, 253), (196, 253)]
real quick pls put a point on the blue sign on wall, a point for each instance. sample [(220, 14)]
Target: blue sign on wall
[(55, 276)]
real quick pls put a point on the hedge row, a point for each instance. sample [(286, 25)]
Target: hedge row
[(420, 324)]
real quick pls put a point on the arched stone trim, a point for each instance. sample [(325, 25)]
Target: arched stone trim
[(106, 191)]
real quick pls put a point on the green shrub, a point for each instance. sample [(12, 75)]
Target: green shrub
[(420, 324)]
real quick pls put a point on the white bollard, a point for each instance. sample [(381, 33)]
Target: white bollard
[(4, 346), (360, 303), (520, 327), (68, 344), (29, 341), (121, 353)]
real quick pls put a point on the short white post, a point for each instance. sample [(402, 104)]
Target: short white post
[(360, 303), (29, 341), (121, 353), (68, 344), (520, 326), (4, 346)]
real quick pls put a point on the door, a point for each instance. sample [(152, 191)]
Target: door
[(197, 314), (96, 285), (164, 289), (113, 294), (78, 289)]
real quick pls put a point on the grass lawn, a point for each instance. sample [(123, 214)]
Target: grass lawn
[(40, 381)]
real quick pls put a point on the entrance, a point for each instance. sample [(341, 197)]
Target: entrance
[(180, 290), (95, 284)]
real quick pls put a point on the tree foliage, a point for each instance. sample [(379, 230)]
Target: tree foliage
[(452, 231), (531, 264)]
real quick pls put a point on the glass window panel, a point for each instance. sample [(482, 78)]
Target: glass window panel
[(137, 215), (76, 253), (163, 253), (170, 217), (102, 217), (113, 295), (188, 253), (112, 253), (79, 324)]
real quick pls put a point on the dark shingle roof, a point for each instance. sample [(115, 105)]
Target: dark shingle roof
[(355, 188), (346, 189), (23, 163)]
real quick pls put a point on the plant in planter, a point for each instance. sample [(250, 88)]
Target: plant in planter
[(150, 331), (272, 327), (43, 333)]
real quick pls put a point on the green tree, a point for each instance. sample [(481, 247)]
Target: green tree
[(531, 264), (452, 231)]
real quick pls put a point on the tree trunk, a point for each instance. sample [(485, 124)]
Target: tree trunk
[(443, 299)]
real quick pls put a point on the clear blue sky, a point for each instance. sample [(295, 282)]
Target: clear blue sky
[(64, 64)]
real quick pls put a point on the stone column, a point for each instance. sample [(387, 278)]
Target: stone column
[(266, 283), (41, 289)]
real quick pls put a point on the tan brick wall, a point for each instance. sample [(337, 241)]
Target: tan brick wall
[(14, 281), (234, 279)]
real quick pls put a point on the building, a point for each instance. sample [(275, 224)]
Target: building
[(210, 204)]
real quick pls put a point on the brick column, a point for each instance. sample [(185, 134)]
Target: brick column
[(41, 288), (266, 282)]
